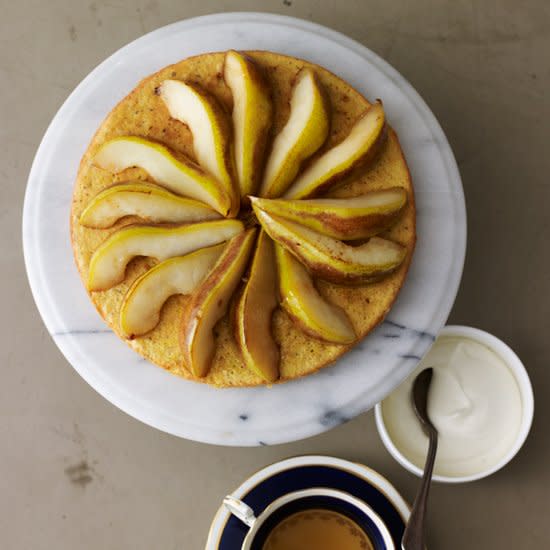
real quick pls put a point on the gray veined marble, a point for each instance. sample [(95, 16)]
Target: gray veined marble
[(258, 416)]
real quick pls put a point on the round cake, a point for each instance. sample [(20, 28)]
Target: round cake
[(290, 207)]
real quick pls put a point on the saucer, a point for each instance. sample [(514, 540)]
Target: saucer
[(294, 474)]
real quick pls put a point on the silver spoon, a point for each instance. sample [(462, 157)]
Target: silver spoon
[(415, 532)]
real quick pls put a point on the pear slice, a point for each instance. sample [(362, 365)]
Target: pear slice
[(140, 311), (149, 202), (252, 114), (208, 303), (109, 261), (302, 301), (341, 160), (303, 134), (331, 259), (254, 311), (207, 121), (354, 218), (180, 176)]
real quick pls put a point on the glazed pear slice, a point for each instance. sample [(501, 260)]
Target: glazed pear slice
[(209, 125), (149, 202), (347, 219), (303, 134), (254, 311), (140, 311), (180, 176), (252, 114), (302, 301), (331, 259), (208, 303), (109, 261), (340, 161)]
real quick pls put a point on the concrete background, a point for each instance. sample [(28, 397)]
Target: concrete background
[(77, 473)]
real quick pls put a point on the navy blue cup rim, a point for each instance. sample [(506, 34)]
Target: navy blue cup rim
[(371, 523)]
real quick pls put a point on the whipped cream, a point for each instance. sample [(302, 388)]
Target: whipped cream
[(474, 403)]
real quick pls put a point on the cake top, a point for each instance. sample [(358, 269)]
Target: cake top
[(224, 208)]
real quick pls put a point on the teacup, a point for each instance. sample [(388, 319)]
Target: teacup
[(326, 514)]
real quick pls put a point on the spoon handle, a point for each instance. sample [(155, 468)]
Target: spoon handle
[(414, 536)]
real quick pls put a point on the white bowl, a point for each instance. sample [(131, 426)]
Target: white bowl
[(526, 392)]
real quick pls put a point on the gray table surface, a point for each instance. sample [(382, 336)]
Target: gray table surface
[(77, 473)]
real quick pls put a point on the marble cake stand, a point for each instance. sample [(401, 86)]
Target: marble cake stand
[(259, 416)]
